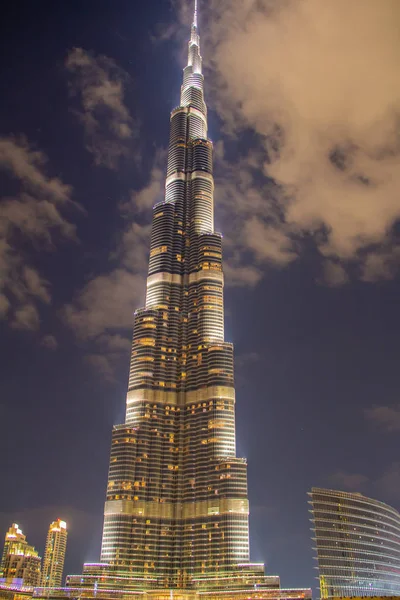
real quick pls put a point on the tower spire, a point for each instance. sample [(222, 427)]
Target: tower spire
[(195, 23)]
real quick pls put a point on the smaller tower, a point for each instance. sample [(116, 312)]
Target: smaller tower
[(20, 562), (54, 555), (13, 536)]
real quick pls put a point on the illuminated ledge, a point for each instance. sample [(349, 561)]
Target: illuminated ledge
[(190, 110), (177, 279), (169, 510), (159, 396), (206, 274), (181, 398), (163, 278), (174, 594), (203, 175), (209, 393), (180, 176)]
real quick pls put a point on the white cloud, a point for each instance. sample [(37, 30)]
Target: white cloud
[(386, 485), (101, 313), (386, 417), (389, 482), (33, 218), (26, 316), (334, 274), (99, 84), (318, 84), (352, 482), (49, 342), (104, 365), (381, 264), (107, 302), (28, 165)]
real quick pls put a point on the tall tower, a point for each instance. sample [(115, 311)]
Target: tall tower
[(54, 555), (177, 506), (176, 512)]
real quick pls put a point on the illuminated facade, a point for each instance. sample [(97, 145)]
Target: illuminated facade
[(176, 511), (54, 554), (357, 544), (20, 562), (13, 536), (177, 507)]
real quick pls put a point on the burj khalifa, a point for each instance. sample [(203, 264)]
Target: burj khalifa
[(177, 511)]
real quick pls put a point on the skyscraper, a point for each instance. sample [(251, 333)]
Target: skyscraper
[(20, 562), (13, 536), (357, 543), (176, 511), (177, 505), (54, 554)]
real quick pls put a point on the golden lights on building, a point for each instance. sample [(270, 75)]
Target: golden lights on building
[(176, 518), (177, 513), (20, 562), (54, 555)]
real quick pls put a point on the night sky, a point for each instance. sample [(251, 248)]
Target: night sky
[(304, 101)]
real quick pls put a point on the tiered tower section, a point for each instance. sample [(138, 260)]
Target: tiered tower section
[(177, 508)]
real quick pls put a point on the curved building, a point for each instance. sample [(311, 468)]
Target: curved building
[(357, 544)]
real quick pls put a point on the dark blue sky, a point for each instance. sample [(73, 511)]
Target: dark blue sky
[(316, 365)]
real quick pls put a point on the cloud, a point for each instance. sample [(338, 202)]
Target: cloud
[(389, 482), (104, 365), (381, 264), (385, 417), (49, 342), (236, 274), (316, 83), (99, 84), (111, 349), (334, 274), (246, 359), (31, 221), (152, 193), (384, 486), (351, 482), (27, 165), (101, 312), (26, 317), (141, 201), (107, 302), (250, 216), (114, 343)]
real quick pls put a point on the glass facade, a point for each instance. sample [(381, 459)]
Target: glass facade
[(176, 511), (177, 506), (357, 544), (54, 555)]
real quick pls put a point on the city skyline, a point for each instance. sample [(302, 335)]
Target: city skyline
[(311, 303)]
